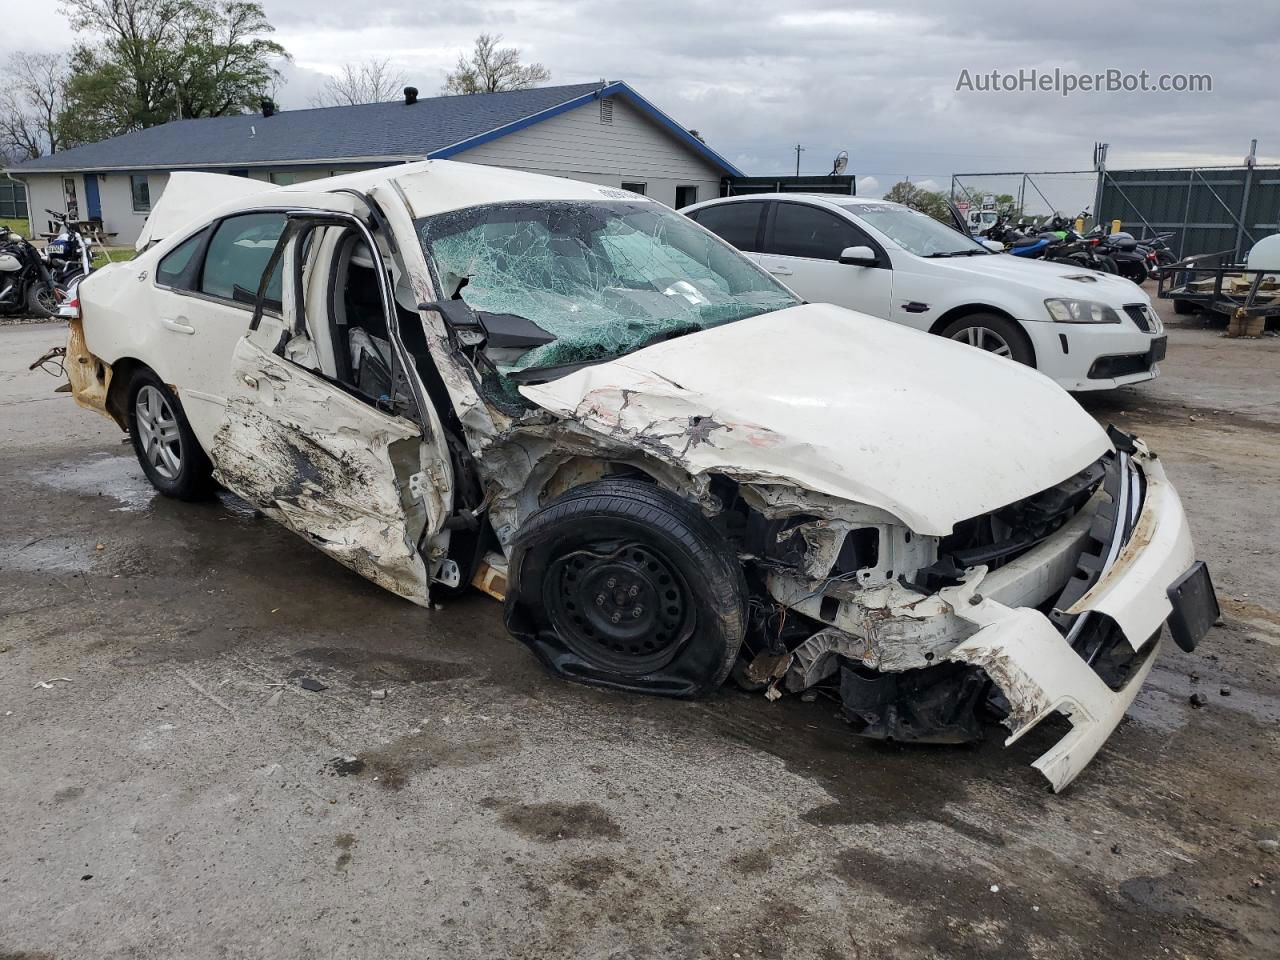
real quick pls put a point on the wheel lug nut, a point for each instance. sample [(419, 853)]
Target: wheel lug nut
[(634, 592), (637, 611), (599, 599), (616, 617), (611, 582)]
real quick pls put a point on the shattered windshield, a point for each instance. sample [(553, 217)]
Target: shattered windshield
[(601, 277), (916, 232)]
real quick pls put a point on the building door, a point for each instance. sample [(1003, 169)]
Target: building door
[(92, 202)]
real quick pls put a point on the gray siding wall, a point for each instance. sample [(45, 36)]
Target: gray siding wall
[(44, 190), (631, 149)]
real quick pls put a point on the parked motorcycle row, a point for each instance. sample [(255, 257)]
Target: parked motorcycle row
[(1058, 241), (33, 281)]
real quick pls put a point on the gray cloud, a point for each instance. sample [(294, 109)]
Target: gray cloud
[(878, 80)]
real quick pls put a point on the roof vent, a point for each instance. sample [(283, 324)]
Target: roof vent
[(410, 95), (606, 110), (268, 108)]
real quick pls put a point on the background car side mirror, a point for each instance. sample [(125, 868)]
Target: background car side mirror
[(995, 246), (859, 256)]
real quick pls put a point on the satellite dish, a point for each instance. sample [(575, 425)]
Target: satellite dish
[(842, 161)]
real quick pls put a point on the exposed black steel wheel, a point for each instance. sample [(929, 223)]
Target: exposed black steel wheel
[(624, 584), (168, 451), (994, 334), (42, 299)]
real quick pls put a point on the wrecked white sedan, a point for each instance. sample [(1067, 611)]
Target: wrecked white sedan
[(670, 467)]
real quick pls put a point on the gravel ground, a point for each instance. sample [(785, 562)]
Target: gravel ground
[(179, 795)]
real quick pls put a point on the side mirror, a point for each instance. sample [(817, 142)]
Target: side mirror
[(994, 246), (858, 256)]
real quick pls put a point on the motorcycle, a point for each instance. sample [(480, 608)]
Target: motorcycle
[(1056, 241), (69, 254), (1130, 257), (26, 286)]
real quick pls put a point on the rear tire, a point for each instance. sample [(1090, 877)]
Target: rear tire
[(168, 451), (994, 334), (622, 583)]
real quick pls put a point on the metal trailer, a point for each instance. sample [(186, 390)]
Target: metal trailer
[(1215, 283)]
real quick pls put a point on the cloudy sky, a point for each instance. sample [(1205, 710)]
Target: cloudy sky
[(875, 78)]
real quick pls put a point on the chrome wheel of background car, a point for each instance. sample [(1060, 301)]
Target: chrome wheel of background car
[(158, 432), (984, 339), (621, 605)]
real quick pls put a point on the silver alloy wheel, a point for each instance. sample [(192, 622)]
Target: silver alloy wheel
[(984, 338), (158, 432)]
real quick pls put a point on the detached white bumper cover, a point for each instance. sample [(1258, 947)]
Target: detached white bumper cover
[(1034, 664)]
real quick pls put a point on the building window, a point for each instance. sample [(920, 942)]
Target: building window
[(606, 110), (685, 196), (141, 191), (634, 187)]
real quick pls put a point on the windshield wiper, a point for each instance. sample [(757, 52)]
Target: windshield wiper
[(553, 371), (956, 253)]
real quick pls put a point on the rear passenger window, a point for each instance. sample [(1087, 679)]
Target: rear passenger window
[(237, 256), (804, 231), (736, 223), (175, 270)]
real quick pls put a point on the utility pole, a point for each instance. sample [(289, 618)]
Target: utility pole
[(799, 150)]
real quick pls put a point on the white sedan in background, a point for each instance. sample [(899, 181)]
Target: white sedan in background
[(1085, 329)]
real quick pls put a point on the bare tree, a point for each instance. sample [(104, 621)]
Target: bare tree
[(493, 69), (31, 103), (371, 81)]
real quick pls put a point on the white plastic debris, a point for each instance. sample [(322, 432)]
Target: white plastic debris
[(48, 684)]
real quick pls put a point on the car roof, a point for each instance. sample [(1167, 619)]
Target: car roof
[(846, 201), (438, 186)]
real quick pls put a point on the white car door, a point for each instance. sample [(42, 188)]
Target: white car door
[(802, 248), (365, 479), (202, 296)]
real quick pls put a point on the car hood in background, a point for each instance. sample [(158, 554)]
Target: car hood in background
[(1046, 278), (843, 404)]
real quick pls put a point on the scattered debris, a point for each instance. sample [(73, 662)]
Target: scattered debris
[(1198, 700), (312, 684), (773, 693), (1225, 691), (378, 694), (48, 684), (995, 888), (275, 697), (1115, 848), (1195, 678), (205, 693), (1269, 846), (346, 766)]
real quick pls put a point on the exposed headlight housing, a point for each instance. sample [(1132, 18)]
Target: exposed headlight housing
[(1080, 311)]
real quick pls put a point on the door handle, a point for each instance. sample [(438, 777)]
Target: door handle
[(177, 326), (780, 271)]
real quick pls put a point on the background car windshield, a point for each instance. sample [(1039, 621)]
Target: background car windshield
[(602, 277), (914, 231)]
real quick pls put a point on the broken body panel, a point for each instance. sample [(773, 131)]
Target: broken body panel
[(917, 507)]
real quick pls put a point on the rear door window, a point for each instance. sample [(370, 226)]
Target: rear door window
[(178, 268), (800, 230), (737, 223), (237, 256)]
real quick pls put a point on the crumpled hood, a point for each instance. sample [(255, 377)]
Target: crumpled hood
[(844, 404)]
